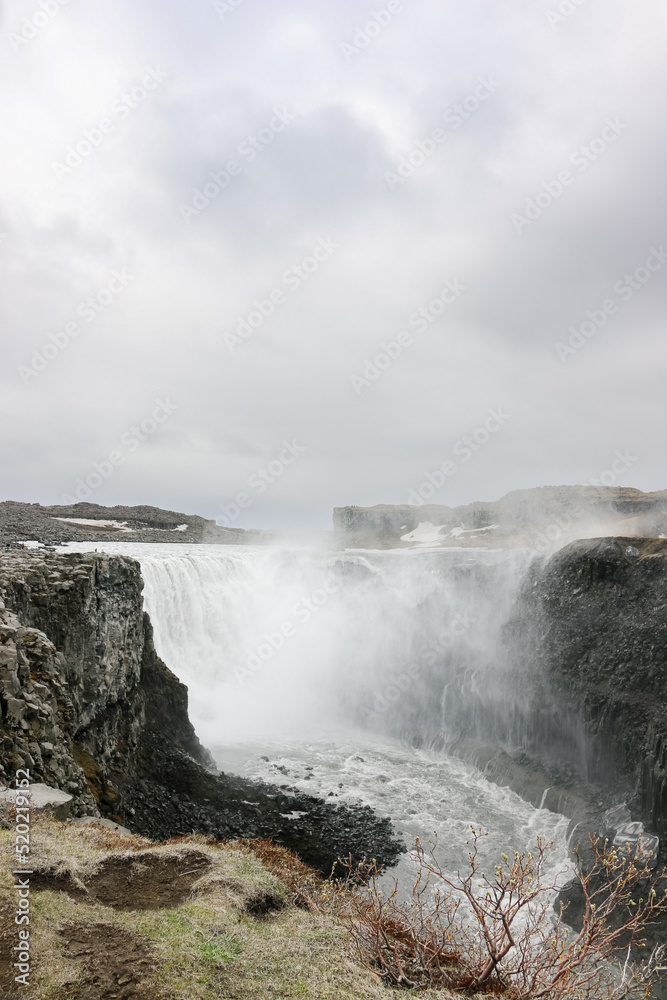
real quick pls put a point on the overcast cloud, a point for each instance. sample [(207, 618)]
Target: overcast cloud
[(560, 103)]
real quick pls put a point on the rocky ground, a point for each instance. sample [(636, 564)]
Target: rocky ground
[(544, 518)]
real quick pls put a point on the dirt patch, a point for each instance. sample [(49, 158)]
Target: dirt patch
[(253, 901), (113, 964), (57, 881), (147, 881), (263, 902)]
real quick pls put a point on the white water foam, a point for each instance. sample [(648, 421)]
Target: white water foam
[(427, 794)]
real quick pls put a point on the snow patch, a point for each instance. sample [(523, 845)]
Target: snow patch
[(93, 522), (426, 533), (457, 532), (181, 527)]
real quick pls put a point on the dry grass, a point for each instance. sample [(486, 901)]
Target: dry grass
[(220, 943)]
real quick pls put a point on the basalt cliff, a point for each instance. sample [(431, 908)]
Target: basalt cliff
[(574, 713), (591, 626), (89, 707)]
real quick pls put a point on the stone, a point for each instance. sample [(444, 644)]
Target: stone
[(10, 682), (15, 709), (43, 799)]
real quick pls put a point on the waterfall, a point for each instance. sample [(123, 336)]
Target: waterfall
[(345, 674)]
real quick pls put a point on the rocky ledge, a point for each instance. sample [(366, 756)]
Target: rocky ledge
[(89, 707)]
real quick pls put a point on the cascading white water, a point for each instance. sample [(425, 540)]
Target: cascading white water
[(306, 668)]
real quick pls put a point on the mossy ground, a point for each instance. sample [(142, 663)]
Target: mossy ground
[(243, 933)]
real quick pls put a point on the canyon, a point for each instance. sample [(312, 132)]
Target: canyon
[(544, 667)]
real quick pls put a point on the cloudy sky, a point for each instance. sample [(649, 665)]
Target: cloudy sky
[(351, 229)]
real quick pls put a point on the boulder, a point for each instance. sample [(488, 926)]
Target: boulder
[(43, 799)]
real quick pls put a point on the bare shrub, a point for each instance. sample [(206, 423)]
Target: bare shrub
[(500, 933)]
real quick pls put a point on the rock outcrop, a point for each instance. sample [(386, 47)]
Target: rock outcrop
[(541, 517), (591, 627), (90, 708), (37, 712), (46, 799)]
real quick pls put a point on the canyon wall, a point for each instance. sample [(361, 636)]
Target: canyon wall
[(578, 686), (78, 656), (591, 626)]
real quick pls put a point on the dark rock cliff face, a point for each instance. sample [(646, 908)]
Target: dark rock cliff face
[(90, 708), (91, 609), (591, 625), (78, 627), (37, 712)]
